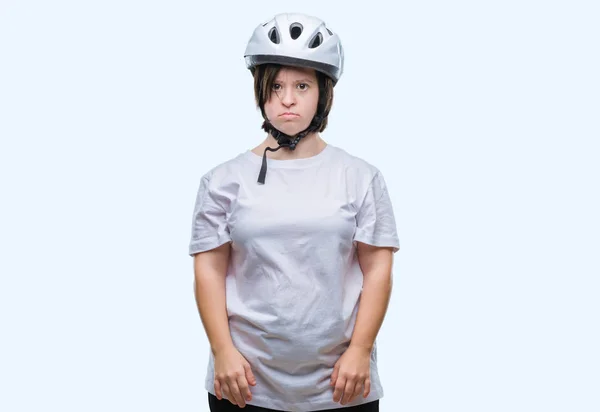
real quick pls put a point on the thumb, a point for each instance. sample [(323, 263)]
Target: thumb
[(249, 375)]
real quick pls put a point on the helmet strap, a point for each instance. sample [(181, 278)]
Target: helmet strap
[(284, 140)]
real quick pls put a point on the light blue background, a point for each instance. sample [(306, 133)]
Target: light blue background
[(483, 117)]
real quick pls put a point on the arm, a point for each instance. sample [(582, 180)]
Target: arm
[(233, 373), (376, 264), (210, 268), (351, 372)]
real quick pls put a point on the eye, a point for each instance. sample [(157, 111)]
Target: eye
[(303, 86), (276, 87)]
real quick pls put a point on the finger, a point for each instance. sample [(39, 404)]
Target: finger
[(334, 375), (348, 390), (244, 388), (249, 375), (236, 394), (356, 391), (227, 393), (367, 387), (339, 389), (218, 393)]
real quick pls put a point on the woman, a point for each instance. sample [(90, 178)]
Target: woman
[(282, 261)]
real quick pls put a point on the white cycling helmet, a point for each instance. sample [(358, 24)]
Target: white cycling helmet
[(296, 40)]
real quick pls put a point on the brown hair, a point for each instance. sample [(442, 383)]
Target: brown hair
[(264, 76)]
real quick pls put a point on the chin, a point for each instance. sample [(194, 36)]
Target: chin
[(289, 128)]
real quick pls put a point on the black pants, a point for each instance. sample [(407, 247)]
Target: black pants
[(224, 405)]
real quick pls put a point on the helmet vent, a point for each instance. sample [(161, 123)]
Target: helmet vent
[(295, 30), (316, 41), (330, 32), (274, 35)]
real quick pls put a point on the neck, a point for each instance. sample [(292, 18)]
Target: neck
[(309, 146)]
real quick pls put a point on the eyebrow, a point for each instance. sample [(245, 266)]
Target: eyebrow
[(304, 80)]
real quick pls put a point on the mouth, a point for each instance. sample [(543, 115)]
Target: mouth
[(288, 114)]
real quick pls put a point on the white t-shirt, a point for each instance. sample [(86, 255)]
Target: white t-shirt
[(294, 282)]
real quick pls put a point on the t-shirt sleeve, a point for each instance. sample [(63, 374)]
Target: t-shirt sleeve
[(375, 221), (209, 222)]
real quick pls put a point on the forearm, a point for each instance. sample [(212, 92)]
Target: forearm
[(210, 298), (377, 288)]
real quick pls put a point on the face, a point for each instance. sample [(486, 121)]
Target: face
[(294, 99)]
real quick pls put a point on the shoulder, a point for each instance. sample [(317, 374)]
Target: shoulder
[(366, 178), (354, 165), (222, 181), (226, 170)]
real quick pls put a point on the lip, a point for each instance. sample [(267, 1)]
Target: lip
[(288, 114)]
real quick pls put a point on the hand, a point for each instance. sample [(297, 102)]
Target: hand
[(233, 376), (351, 373)]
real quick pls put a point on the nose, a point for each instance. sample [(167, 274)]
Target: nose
[(287, 96)]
